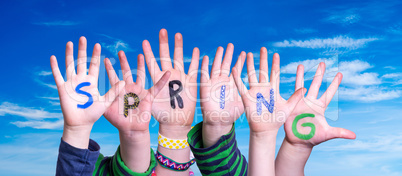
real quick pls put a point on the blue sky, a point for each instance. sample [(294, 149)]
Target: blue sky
[(360, 39)]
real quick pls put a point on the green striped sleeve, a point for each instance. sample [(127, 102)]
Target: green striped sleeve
[(115, 166), (222, 158)]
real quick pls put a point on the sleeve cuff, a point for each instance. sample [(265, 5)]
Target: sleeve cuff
[(122, 169), (222, 158)]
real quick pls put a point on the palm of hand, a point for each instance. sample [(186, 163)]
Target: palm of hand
[(138, 118), (262, 113), (161, 107), (80, 100), (222, 110), (265, 120), (69, 99), (175, 104), (321, 128), (131, 110), (307, 124)]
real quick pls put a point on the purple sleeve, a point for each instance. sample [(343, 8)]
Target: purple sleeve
[(75, 161)]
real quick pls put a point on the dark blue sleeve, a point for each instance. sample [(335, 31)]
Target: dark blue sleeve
[(75, 161)]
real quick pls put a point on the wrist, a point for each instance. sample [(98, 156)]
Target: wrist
[(298, 146), (134, 137), (211, 133), (77, 136), (174, 131)]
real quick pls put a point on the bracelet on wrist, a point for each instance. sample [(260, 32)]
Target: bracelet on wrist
[(172, 143), (171, 164)]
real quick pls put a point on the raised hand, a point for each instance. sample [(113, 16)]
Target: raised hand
[(266, 111), (80, 101), (174, 106), (307, 125), (221, 103), (265, 108), (130, 113)]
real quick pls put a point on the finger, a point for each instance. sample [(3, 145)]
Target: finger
[(70, 68), (178, 52), (240, 61), (299, 77), (264, 65), (159, 85), (252, 77), (204, 70), (58, 78), (150, 60), (195, 62), (166, 62), (82, 56), (125, 68), (330, 92), (295, 98), (111, 73), (336, 132), (316, 84), (275, 72), (227, 60), (239, 83), (216, 66), (113, 93), (95, 61), (141, 75)]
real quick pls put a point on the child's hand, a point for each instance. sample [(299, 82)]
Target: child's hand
[(174, 106), (220, 101), (266, 110), (131, 111), (80, 100), (307, 125)]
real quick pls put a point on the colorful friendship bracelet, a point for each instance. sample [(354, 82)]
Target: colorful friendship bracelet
[(172, 165), (172, 143)]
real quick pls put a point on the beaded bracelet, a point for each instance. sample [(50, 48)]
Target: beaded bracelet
[(172, 165), (172, 143)]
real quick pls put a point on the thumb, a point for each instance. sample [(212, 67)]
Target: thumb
[(159, 85), (296, 97), (111, 95), (336, 132)]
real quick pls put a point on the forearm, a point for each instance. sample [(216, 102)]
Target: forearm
[(178, 155), (77, 136), (135, 150), (262, 153), (211, 133), (291, 159)]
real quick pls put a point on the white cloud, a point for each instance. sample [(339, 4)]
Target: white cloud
[(58, 23), (44, 73), (310, 65), (343, 18), (357, 84), (35, 118), (351, 70), (336, 42), (40, 124), (352, 73), (390, 67), (114, 45), (368, 94), (392, 75), (27, 112)]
